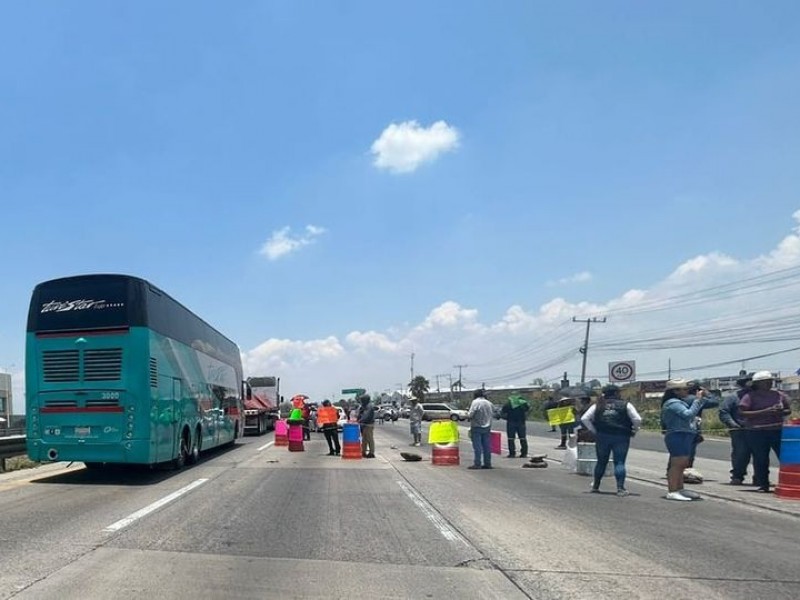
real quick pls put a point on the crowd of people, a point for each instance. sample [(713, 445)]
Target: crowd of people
[(754, 415)]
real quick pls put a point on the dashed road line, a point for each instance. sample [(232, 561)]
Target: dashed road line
[(132, 518), (433, 515), (265, 446)]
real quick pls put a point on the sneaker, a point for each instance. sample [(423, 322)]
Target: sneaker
[(417, 443), (736, 481), (690, 495), (487, 467), (763, 490), (472, 467), (561, 447), (511, 456), (523, 456), (677, 496), (622, 492), (594, 489)]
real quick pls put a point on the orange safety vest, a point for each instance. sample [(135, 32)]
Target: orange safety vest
[(327, 415)]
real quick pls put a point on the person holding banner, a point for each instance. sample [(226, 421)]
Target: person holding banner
[(480, 417), (566, 420)]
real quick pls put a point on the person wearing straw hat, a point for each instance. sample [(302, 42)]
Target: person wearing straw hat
[(680, 431), (730, 417), (763, 410)]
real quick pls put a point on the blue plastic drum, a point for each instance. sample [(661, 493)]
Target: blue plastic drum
[(790, 445), (351, 432)]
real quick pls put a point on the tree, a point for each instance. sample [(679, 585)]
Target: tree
[(538, 382), (418, 387)]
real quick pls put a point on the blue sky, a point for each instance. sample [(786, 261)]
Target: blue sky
[(617, 140)]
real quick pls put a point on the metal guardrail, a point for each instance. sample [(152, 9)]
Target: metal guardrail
[(11, 446)]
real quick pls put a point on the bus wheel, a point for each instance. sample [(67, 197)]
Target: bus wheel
[(183, 452), (94, 466), (194, 453)]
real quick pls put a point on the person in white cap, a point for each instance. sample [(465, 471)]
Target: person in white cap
[(763, 410), (680, 427)]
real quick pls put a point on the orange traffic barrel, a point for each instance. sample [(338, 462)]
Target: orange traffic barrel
[(351, 450), (789, 473), (445, 455)]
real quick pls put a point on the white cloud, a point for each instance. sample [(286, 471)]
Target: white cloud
[(371, 340), (581, 277), (450, 314), (704, 263), (523, 339), (403, 147), (282, 243)]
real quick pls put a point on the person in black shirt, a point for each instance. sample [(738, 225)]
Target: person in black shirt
[(614, 421), (515, 412)]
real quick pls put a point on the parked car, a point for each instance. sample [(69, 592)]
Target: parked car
[(387, 412), (342, 418), (432, 411), (405, 412)]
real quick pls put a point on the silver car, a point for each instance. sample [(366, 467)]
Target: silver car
[(432, 411)]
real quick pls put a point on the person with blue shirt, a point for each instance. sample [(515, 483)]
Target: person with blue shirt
[(680, 432)]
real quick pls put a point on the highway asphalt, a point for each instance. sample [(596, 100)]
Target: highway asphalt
[(257, 521)]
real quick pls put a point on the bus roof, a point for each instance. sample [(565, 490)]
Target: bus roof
[(104, 301)]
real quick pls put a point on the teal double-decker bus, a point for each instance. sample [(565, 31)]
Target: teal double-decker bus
[(117, 371)]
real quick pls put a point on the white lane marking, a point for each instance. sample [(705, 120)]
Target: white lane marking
[(265, 446), (433, 515), (122, 523)]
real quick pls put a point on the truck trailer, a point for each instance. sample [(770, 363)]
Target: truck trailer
[(262, 399)]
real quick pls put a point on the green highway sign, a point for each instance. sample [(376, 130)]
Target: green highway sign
[(354, 391)]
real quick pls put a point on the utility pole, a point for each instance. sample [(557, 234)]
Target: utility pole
[(669, 368), (585, 348), (412, 366), (459, 382), (459, 367), (451, 387)]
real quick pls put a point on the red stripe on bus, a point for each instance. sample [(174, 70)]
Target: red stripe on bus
[(78, 409), (83, 332)]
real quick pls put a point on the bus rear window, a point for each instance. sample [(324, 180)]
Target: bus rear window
[(62, 306)]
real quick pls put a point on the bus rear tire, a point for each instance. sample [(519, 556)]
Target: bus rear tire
[(183, 452), (194, 453)]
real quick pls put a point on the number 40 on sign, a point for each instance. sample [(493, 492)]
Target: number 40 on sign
[(622, 371)]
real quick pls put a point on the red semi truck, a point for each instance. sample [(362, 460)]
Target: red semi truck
[(262, 399)]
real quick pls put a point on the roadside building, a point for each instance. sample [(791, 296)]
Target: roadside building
[(5, 400)]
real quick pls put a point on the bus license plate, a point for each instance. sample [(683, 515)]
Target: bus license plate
[(83, 431)]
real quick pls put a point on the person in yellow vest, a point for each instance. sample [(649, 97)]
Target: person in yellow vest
[(327, 418)]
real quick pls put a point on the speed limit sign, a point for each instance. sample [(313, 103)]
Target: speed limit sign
[(622, 371)]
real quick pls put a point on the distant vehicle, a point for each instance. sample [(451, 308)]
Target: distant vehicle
[(120, 372), (405, 412), (387, 412), (432, 411), (261, 399), (342, 418)]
